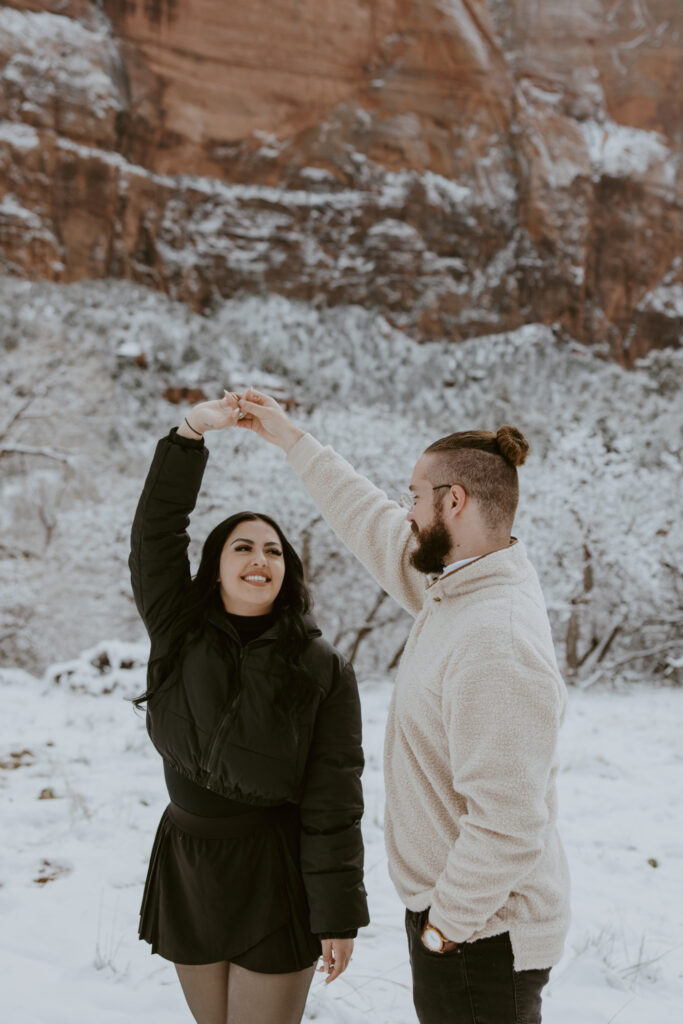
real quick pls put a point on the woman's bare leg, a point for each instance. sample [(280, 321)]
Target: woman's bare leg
[(205, 987), (276, 998)]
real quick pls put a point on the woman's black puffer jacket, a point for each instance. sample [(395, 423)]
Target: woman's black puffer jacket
[(221, 714)]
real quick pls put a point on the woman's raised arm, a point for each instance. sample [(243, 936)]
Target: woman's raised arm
[(159, 566)]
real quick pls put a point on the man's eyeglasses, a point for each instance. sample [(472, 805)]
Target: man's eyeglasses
[(408, 500)]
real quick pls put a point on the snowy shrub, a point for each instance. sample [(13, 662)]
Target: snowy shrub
[(88, 365)]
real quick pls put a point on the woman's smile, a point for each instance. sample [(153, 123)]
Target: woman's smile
[(256, 579)]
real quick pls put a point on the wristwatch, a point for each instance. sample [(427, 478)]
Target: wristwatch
[(435, 940)]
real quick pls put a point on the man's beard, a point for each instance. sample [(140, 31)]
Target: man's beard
[(433, 546)]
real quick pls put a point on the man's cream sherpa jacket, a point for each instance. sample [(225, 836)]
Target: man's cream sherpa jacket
[(471, 746)]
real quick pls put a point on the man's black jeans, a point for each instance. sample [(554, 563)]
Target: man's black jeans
[(472, 984)]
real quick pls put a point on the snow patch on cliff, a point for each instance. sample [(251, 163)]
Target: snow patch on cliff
[(620, 151), (19, 136), (667, 297), (56, 59), (12, 209), (442, 191), (395, 232)]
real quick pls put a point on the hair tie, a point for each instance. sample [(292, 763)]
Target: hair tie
[(192, 428)]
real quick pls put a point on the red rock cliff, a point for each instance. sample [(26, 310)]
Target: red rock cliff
[(464, 166)]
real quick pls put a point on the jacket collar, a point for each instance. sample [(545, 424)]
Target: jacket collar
[(507, 565)]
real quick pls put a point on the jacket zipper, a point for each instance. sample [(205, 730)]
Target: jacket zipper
[(225, 720)]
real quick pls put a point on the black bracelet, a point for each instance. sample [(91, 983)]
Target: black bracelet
[(192, 428)]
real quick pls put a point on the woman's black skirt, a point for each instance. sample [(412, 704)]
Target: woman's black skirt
[(228, 889)]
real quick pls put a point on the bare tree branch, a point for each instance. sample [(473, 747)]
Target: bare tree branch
[(367, 625), (49, 521), (28, 449), (397, 657), (305, 535), (17, 414), (14, 417), (647, 652)]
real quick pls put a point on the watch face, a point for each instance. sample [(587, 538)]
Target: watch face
[(432, 939)]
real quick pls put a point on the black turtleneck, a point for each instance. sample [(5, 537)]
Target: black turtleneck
[(248, 627)]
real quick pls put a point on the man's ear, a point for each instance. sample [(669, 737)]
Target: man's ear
[(457, 498)]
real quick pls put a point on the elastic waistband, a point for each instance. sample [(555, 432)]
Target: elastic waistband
[(257, 820)]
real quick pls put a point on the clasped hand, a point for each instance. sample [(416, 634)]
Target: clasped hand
[(251, 410)]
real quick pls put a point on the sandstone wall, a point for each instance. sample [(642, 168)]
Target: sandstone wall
[(462, 165)]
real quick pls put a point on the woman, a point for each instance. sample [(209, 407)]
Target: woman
[(258, 861)]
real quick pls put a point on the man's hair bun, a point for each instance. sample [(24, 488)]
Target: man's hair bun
[(513, 445)]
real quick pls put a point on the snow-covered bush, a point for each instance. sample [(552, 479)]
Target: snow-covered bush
[(87, 367)]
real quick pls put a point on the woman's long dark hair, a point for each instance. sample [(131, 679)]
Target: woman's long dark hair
[(290, 606)]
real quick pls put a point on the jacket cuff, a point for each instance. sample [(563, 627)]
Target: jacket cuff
[(185, 442), (351, 934), (447, 928)]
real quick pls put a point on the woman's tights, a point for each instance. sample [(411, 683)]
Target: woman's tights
[(225, 993)]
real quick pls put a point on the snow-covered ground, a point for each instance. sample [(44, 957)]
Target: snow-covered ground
[(87, 370), (82, 791)]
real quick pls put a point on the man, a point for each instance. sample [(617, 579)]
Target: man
[(471, 744)]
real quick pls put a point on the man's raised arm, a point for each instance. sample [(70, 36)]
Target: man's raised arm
[(372, 526)]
